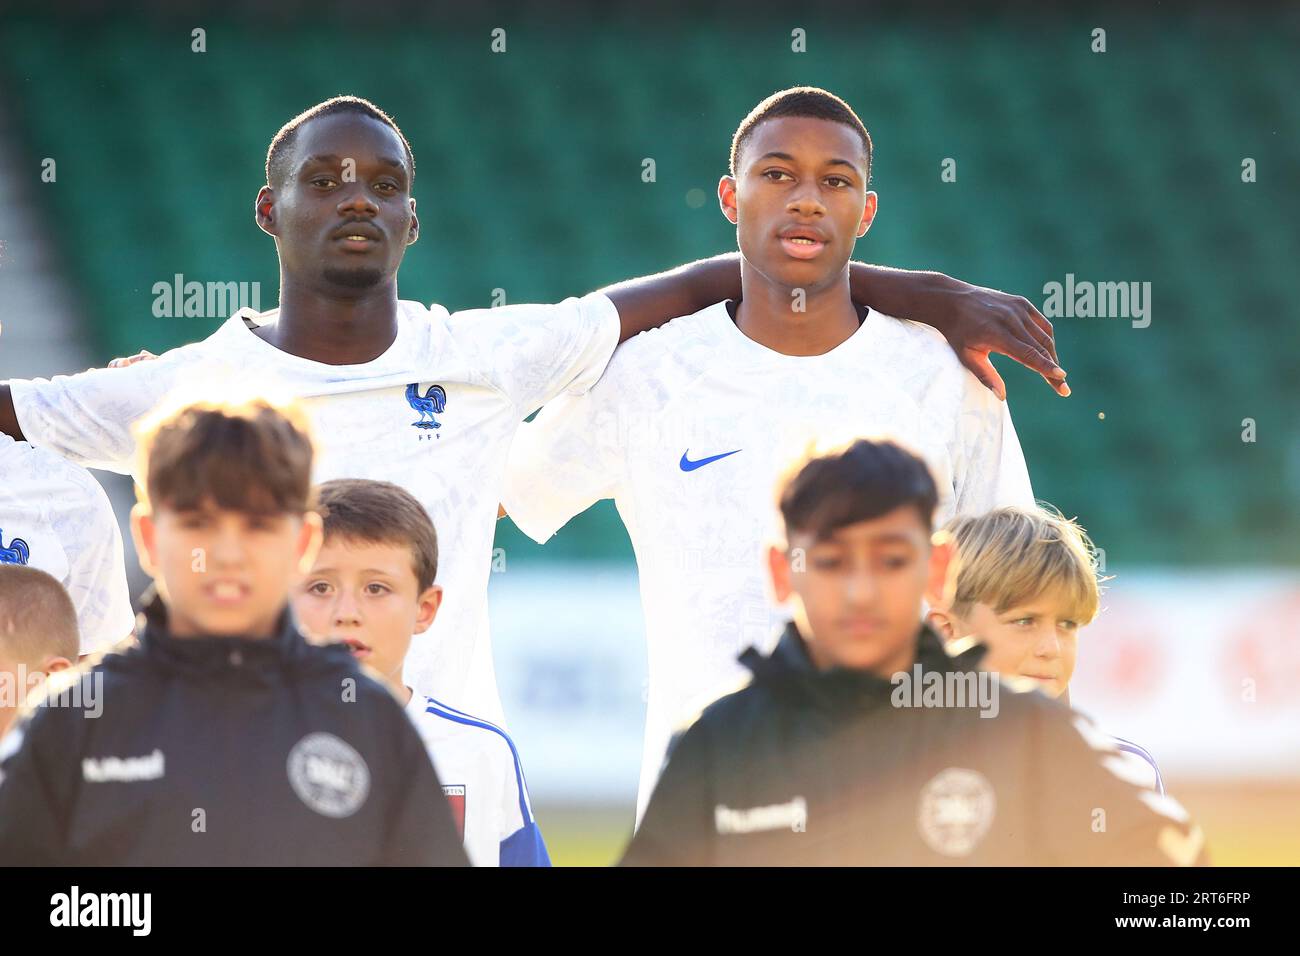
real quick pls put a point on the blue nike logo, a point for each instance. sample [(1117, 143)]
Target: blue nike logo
[(687, 465)]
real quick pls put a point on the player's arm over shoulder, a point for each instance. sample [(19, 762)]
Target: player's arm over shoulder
[(534, 352), (87, 417)]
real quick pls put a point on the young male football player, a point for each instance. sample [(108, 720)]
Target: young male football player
[(687, 429), (859, 740), (222, 737), (372, 588), (1026, 585), (417, 396)]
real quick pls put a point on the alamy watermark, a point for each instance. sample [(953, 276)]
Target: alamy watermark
[(1102, 300), (204, 300), (931, 688), (85, 693)]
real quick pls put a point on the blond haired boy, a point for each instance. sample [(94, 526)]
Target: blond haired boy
[(1027, 583)]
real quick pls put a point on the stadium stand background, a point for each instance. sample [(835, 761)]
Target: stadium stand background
[(1122, 166)]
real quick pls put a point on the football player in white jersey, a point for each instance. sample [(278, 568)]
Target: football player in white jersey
[(415, 395), (691, 422), (54, 516)]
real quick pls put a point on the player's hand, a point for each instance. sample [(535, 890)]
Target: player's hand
[(978, 321), (143, 355)]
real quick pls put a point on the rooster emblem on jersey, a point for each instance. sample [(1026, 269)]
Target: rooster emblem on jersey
[(16, 553), (432, 402)]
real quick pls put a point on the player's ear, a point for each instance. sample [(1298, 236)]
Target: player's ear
[(52, 665), (310, 536), (413, 233), (941, 577), (778, 569), (264, 210), (727, 198), (429, 602), (942, 624), (868, 214), (142, 533)]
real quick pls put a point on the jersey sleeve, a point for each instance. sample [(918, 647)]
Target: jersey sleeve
[(990, 470), (677, 828), (87, 417), (525, 847), (521, 838), (1093, 811), (569, 457), (96, 582), (532, 353)]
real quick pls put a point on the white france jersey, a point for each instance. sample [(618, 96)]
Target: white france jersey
[(435, 413), (484, 783), (56, 517), (689, 430)]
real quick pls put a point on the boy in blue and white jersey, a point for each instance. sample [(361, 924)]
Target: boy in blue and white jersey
[(372, 588)]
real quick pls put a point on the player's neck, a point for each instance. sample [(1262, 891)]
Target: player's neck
[(795, 322), (331, 330)]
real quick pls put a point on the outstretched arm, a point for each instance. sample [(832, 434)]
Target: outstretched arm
[(9, 416), (976, 321)]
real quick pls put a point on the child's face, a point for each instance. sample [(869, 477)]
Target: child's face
[(224, 573), (857, 593), (1036, 639), (366, 595)]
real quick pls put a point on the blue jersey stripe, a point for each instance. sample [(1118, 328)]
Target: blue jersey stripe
[(524, 847), (455, 710), (1129, 747), (459, 717)]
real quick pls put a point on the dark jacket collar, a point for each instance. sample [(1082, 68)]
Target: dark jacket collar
[(200, 653), (789, 664)]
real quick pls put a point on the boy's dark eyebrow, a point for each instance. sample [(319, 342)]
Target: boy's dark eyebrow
[(889, 537), (379, 571), (790, 159)]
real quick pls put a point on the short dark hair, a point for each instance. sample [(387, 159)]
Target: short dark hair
[(277, 156), (253, 456), (380, 512), (866, 479), (810, 101), (37, 619)]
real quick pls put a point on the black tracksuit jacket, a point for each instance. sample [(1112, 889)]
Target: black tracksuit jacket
[(212, 751), (809, 767)]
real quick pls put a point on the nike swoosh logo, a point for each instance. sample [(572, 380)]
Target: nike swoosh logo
[(687, 465)]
